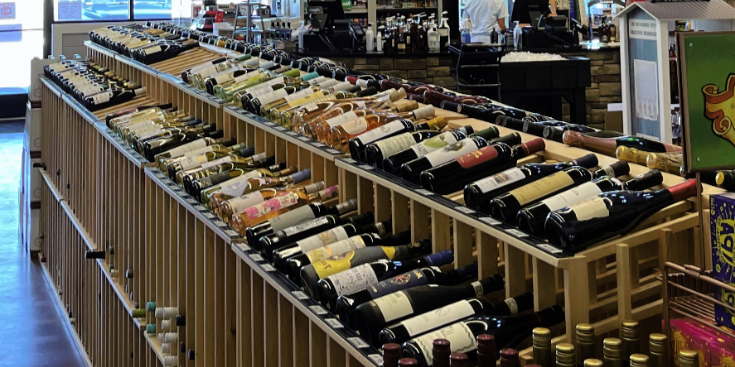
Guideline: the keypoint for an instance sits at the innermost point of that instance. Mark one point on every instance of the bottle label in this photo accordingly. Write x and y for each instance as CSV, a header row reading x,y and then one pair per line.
x,y
300,94
239,184
451,151
410,279
459,335
353,280
245,77
153,50
341,119
292,218
201,143
356,126
534,190
479,156
427,146
102,97
322,239
262,91
311,107
499,180
395,144
241,203
362,83
336,249
479,292
290,231
512,306
148,133
327,267
316,81
594,208
272,205
394,306
441,316
381,131
609,171
215,162
270,97
223,78
572,196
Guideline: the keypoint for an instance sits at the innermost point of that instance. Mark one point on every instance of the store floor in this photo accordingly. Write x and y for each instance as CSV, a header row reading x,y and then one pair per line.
x,y
32,333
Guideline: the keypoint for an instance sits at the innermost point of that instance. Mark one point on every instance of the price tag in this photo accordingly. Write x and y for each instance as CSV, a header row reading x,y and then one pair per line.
x,y
317,309
267,267
243,247
300,295
256,257
464,209
424,192
241,111
220,223
490,221
516,233
232,233
280,128
334,151
548,248
334,323
178,190
200,208
317,144
208,215
268,123
220,100
302,138
366,167
171,184
358,342
376,358
160,175
293,133
192,201
350,160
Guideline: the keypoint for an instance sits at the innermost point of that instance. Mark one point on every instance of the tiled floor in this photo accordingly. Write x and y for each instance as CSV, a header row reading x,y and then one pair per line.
x,y
32,333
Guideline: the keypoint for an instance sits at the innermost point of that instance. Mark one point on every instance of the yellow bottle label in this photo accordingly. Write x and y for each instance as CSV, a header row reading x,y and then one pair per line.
x,y
337,264
535,190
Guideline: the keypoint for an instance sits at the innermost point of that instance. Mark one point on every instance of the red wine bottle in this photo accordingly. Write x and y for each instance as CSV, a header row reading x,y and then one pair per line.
x,y
363,276
537,127
454,175
288,236
411,170
610,214
507,330
556,132
392,162
478,194
450,314
609,145
347,304
373,316
296,216
618,168
505,207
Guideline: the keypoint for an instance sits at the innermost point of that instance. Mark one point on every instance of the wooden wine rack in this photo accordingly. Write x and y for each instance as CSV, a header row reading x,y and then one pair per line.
x,y
240,312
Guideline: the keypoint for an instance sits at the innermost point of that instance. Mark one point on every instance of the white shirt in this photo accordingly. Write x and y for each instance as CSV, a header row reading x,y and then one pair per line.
x,y
484,15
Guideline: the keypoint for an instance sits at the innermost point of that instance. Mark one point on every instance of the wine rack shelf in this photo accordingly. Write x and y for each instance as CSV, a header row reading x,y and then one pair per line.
x,y
102,195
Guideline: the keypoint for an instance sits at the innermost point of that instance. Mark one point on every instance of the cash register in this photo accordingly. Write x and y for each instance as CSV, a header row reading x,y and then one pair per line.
x,y
544,30
329,29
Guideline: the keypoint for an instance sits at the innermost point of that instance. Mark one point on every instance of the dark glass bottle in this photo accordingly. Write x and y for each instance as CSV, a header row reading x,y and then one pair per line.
x,y
609,145
478,194
373,316
618,168
610,214
556,133
357,145
400,154
376,152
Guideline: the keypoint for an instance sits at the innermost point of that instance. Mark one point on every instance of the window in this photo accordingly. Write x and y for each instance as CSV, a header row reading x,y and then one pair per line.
x,y
111,10
152,9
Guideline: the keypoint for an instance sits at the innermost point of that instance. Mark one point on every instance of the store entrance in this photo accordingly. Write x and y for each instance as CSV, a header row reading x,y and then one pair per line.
x,y
21,39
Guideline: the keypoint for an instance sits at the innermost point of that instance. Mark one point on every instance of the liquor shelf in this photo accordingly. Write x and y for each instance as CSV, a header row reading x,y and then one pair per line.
x,y
163,246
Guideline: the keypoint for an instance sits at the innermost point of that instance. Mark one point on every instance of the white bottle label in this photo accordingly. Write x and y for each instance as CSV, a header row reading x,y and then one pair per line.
x,y
304,226
238,185
460,339
381,131
512,306
245,77
153,50
593,208
268,98
342,86
342,119
226,77
201,143
243,202
300,94
362,83
394,306
441,316
336,249
427,146
499,180
451,151
215,162
537,189
353,280
355,127
572,196
395,144
322,239
191,162
609,171
291,218
317,80
147,133
101,98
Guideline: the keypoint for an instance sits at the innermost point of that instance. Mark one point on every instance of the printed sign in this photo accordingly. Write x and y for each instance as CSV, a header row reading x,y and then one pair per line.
x,y
7,10
69,10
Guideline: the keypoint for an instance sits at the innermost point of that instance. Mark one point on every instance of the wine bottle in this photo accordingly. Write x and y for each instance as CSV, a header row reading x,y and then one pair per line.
x,y
248,183
667,162
189,177
363,276
358,145
373,316
340,135
505,207
509,358
565,355
411,171
240,204
621,167
347,304
391,355
289,236
297,216
592,362
610,214
182,149
585,342
290,259
629,335
450,314
457,360
376,152
478,194
638,360
608,146
208,154
456,174
688,358
612,352
507,331
392,162
442,352
486,351
658,348
542,347
215,183
556,133
536,128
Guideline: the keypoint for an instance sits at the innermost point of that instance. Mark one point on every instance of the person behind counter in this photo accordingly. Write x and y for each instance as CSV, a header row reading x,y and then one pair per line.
x,y
486,16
